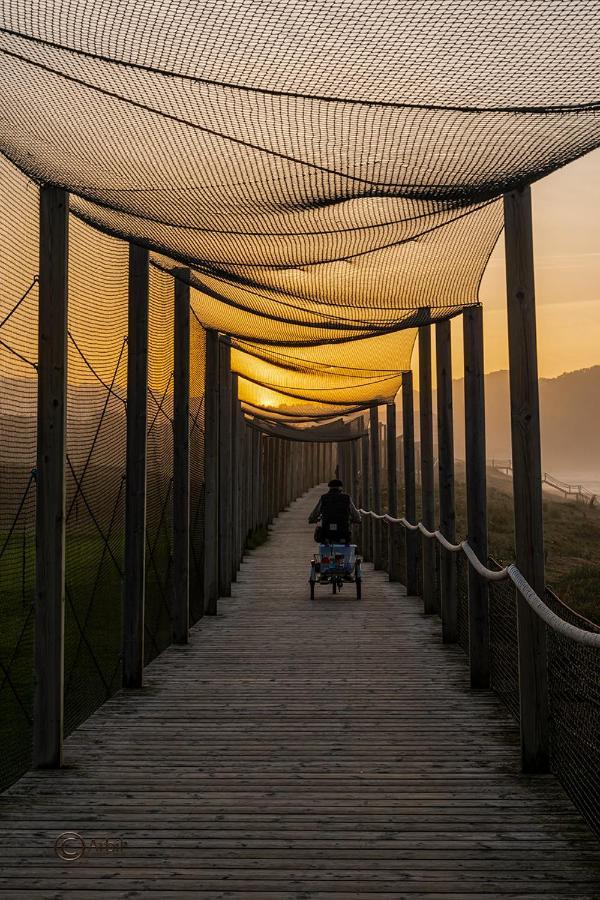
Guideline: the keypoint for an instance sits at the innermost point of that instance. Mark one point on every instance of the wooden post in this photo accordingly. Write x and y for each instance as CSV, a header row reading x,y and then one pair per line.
x,y
235,474
225,470
527,475
375,486
427,476
50,505
365,496
479,619
181,458
410,487
135,502
448,587
211,474
394,533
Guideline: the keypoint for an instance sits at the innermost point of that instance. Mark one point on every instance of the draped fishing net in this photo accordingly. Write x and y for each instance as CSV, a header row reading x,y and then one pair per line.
x,y
324,170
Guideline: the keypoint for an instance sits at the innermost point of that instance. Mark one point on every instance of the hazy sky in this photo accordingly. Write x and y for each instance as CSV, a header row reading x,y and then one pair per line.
x,y
566,226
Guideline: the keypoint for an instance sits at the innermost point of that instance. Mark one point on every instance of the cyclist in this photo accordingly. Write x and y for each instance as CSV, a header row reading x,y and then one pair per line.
x,y
337,513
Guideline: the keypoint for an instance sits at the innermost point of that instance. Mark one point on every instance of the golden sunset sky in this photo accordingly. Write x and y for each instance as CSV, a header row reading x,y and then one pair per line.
x,y
566,223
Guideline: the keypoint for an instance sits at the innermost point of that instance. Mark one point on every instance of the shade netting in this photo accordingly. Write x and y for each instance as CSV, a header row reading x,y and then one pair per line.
x,y
325,170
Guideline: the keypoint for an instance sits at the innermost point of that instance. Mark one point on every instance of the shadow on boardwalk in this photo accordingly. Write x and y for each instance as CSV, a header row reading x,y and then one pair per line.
x,y
298,750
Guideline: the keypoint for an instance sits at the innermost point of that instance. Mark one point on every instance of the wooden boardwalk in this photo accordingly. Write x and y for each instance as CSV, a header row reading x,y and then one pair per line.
x,y
298,750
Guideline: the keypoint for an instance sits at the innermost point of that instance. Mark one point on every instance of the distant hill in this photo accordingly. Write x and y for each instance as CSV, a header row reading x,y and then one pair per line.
x,y
570,421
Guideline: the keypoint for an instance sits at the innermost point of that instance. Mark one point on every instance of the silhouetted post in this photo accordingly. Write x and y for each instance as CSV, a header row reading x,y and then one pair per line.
x,y
375,485
181,457
448,587
479,619
211,474
50,475
394,535
430,604
255,478
527,475
410,487
135,498
225,460
235,476
365,497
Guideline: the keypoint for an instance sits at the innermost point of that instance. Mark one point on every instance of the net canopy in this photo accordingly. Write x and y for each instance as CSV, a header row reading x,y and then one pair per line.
x,y
328,173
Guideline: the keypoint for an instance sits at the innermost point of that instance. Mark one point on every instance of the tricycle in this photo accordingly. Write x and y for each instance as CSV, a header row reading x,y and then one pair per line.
x,y
336,564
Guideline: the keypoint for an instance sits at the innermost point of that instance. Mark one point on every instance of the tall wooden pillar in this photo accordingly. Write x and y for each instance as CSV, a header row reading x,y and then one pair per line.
x,y
181,458
365,497
430,604
225,470
211,474
135,502
445,421
235,477
479,619
527,475
375,485
410,487
394,531
50,472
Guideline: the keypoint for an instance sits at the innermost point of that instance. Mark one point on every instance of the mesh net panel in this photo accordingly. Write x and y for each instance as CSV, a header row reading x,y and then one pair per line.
x,y
462,600
197,381
95,471
504,651
574,689
18,397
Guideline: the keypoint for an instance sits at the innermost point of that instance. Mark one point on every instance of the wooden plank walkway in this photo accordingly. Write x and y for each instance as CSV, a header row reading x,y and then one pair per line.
x,y
298,750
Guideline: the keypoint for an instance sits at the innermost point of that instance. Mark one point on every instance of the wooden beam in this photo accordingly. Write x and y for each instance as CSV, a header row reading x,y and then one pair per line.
x,y
410,487
135,503
225,471
211,473
375,458
430,600
477,536
48,714
445,422
394,533
181,458
527,475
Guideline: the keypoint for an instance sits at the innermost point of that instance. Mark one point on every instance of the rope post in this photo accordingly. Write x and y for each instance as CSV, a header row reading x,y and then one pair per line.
x,y
255,478
375,485
235,477
479,616
394,536
430,604
181,457
445,421
211,474
365,497
135,502
225,470
48,711
527,476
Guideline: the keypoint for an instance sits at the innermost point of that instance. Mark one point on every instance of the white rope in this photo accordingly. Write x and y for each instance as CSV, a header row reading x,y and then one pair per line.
x,y
578,635
586,638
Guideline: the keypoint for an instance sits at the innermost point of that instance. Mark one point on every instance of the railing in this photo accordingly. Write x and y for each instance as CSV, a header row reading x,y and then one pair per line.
x,y
573,661
578,491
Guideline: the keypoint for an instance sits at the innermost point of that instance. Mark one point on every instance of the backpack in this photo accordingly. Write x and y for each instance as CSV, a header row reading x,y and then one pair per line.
x,y
335,510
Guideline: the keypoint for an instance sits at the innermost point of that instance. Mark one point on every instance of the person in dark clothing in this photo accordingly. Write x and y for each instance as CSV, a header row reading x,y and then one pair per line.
x,y
337,513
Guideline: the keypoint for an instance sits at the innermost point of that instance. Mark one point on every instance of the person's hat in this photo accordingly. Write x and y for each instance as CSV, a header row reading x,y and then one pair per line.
x,y
335,483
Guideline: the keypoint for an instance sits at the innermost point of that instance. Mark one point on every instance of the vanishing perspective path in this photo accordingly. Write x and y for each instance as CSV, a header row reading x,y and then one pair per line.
x,y
299,750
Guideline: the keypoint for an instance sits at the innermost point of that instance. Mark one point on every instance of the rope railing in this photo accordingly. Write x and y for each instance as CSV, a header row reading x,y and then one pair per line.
x,y
585,638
